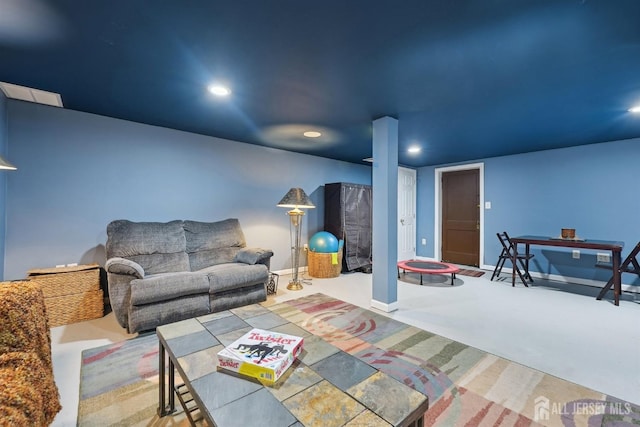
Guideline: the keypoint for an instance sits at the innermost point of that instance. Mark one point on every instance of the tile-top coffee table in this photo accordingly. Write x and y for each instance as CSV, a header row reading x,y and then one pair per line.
x,y
324,387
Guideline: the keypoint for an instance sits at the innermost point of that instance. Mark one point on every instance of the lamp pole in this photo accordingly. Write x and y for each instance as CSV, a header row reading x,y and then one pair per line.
x,y
296,222
296,198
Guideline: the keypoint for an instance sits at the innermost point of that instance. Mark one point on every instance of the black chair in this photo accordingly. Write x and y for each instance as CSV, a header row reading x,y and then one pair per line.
x,y
507,254
629,265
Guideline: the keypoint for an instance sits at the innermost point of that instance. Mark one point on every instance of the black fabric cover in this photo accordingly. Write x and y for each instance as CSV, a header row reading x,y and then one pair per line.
x,y
348,216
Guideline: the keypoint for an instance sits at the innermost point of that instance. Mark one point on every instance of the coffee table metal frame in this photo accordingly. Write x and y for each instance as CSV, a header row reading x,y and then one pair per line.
x,y
168,390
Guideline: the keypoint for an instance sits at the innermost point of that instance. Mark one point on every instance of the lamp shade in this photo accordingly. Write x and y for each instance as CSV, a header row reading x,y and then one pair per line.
x,y
6,165
296,198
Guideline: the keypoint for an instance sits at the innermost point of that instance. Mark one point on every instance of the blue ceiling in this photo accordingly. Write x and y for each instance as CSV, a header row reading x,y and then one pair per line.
x,y
466,79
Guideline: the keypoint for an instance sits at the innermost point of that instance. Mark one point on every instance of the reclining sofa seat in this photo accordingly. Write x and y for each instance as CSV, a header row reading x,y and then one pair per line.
x,y
160,273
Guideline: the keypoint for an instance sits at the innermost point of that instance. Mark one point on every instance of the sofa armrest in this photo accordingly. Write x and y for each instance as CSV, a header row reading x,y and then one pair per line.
x,y
254,256
125,266
120,273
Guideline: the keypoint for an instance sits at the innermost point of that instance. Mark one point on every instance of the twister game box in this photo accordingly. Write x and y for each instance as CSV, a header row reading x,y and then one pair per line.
x,y
261,354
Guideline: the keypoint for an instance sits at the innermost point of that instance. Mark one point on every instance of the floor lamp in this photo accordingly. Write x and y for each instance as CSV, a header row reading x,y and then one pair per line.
x,y
297,199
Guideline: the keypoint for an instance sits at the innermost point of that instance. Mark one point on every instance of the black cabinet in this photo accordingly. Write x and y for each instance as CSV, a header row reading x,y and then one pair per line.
x,y
347,215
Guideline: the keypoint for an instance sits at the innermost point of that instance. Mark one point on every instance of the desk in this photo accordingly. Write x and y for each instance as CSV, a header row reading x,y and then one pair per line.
x,y
605,245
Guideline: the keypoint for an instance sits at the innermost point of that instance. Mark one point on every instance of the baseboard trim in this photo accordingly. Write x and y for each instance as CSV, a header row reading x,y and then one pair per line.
x,y
383,306
505,270
553,277
567,279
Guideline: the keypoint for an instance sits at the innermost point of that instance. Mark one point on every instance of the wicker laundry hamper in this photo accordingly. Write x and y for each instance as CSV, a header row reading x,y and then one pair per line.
x,y
71,294
325,265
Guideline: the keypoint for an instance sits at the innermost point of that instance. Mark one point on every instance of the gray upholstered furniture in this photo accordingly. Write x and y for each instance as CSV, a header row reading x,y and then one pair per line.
x,y
160,273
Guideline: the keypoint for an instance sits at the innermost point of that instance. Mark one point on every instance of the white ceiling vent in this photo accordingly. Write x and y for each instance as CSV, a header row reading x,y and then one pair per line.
x,y
32,95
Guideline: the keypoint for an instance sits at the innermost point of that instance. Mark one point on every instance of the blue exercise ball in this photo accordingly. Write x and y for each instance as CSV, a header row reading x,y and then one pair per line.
x,y
324,242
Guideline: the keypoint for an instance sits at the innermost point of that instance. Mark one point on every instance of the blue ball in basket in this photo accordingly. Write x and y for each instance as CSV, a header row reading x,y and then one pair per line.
x,y
323,242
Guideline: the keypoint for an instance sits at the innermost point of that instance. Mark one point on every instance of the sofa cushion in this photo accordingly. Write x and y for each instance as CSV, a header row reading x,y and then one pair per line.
x,y
162,263
204,259
167,286
224,277
158,247
232,299
148,316
211,243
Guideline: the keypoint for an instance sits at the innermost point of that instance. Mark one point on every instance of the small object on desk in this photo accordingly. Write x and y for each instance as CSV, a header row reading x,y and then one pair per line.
x,y
568,233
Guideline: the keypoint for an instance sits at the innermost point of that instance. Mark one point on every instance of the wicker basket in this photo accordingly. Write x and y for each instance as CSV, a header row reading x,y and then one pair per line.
x,y
71,294
74,308
60,281
324,265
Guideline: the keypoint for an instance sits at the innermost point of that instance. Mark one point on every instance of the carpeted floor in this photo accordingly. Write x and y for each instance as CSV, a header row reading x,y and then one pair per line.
x,y
466,386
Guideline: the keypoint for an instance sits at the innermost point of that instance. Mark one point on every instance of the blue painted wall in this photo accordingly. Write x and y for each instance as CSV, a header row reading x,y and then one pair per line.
x,y
3,177
78,171
591,188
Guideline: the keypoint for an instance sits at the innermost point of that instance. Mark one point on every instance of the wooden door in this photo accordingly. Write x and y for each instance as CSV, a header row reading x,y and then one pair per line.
x,y
461,217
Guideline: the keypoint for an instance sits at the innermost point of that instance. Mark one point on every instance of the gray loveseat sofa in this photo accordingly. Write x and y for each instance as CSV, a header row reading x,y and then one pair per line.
x,y
160,273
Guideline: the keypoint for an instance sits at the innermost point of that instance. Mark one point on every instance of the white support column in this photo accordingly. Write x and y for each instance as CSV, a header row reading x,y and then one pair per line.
x,y
385,214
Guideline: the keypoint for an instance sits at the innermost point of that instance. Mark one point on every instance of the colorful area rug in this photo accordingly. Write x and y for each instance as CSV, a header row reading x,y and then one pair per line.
x,y
466,386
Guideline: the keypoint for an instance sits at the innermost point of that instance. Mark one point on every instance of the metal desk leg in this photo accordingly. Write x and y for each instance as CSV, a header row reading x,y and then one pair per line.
x,y
514,259
617,277
526,263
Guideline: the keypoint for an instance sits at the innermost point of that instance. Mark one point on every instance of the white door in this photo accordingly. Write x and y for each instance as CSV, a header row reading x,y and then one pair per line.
x,y
406,214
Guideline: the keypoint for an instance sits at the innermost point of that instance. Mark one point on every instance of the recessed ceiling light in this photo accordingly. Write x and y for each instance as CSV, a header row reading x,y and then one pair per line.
x,y
219,90
635,109
414,149
312,134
